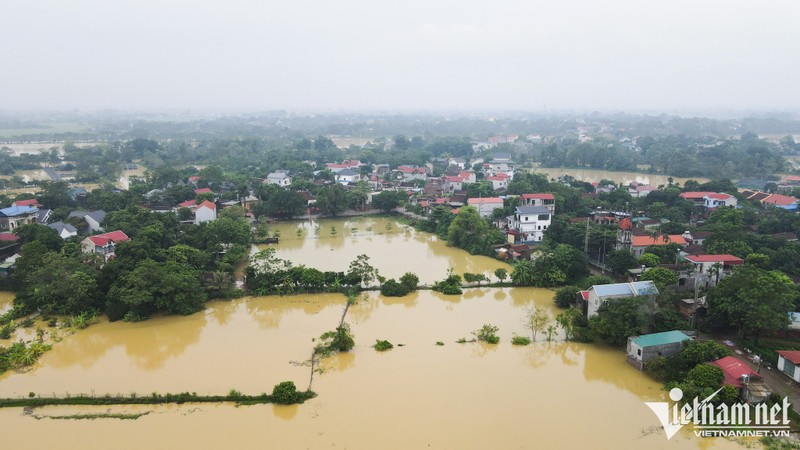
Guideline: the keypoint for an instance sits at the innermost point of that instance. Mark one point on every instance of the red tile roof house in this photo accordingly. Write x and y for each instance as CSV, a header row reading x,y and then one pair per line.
x,y
32,202
203,191
708,269
104,244
747,381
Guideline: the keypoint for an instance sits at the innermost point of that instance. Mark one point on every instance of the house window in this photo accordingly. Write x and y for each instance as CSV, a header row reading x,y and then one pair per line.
x,y
526,218
544,216
639,352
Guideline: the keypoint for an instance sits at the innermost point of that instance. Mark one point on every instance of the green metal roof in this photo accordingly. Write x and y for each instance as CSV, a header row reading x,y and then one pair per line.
x,y
667,337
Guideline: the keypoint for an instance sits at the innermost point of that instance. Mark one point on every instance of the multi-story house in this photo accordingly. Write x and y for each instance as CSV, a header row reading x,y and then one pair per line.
x,y
529,223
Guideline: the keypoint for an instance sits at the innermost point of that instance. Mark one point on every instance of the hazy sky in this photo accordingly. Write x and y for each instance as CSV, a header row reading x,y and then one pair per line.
x,y
409,54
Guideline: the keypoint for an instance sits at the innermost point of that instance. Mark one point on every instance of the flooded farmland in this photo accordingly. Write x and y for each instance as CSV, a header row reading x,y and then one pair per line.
x,y
594,176
418,395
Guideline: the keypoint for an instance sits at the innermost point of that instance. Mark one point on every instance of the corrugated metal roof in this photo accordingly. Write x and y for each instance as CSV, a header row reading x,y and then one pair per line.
x,y
667,337
532,210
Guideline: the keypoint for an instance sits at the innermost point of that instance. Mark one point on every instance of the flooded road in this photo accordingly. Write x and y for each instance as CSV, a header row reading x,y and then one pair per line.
x,y
394,248
594,176
418,395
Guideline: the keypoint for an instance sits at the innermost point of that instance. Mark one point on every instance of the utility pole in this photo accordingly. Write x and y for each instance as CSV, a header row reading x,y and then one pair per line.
x,y
586,239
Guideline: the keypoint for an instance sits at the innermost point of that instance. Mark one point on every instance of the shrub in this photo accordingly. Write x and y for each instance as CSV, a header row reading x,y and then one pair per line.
x,y
27,323
285,393
487,333
410,281
439,343
520,340
382,346
392,288
565,296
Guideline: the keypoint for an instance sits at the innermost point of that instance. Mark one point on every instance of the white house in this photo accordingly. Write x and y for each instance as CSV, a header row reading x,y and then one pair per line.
x,y
499,181
708,269
485,206
64,230
16,216
788,362
599,294
529,223
713,200
103,244
94,219
205,212
547,200
279,178
347,176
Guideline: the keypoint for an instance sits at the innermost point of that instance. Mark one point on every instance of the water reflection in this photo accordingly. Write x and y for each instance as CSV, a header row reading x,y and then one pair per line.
x,y
285,412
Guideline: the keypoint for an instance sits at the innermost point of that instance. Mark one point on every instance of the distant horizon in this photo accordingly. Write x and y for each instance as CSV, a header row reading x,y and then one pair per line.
x,y
688,113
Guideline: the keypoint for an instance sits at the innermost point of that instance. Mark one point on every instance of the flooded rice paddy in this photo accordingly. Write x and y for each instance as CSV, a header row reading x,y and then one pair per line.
x,y
419,395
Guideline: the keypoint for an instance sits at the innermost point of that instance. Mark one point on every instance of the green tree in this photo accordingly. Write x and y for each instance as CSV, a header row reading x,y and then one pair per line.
x,y
649,260
388,200
535,320
753,299
501,274
616,320
332,200
523,275
361,270
660,276
565,296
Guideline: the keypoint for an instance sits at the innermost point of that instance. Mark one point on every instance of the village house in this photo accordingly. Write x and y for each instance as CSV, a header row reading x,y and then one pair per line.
x,y
629,239
499,181
94,219
642,349
64,230
103,244
637,190
410,173
777,200
347,176
280,178
546,199
32,202
13,217
485,206
205,212
707,270
788,361
597,295
748,382
528,224
709,200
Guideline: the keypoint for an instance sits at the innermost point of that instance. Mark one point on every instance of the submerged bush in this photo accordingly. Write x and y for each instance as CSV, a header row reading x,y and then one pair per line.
x,y
520,340
487,333
392,288
285,393
382,346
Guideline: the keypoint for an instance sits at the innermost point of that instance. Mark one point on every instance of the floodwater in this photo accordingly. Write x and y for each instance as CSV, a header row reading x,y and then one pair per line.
x,y
6,301
124,180
452,396
418,395
593,176
393,248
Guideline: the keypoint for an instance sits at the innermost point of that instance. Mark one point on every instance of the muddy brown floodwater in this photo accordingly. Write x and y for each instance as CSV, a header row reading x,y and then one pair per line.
x,y
394,248
419,395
